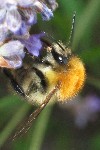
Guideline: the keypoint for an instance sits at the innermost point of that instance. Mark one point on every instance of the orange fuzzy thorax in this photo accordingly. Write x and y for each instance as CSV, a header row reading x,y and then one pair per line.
x,y
71,79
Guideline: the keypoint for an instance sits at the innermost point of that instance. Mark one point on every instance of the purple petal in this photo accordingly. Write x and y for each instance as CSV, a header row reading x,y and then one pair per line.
x,y
3,33
12,48
10,3
29,16
23,29
13,53
93,103
47,14
13,20
14,61
32,19
2,3
33,44
25,3
43,9
2,15
53,4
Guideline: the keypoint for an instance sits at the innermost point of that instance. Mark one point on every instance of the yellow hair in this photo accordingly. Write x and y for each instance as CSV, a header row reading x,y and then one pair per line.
x,y
71,79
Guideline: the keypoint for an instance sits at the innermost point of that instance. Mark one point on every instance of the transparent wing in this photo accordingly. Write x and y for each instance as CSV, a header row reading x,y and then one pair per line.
x,y
33,116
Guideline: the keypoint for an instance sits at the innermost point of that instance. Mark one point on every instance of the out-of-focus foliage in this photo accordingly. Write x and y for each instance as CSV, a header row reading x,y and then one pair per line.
x,y
59,131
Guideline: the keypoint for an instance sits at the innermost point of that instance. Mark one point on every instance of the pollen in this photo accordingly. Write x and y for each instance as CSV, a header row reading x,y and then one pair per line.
x,y
71,79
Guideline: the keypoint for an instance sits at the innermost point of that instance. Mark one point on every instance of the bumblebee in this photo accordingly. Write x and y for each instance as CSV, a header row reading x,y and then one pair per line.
x,y
55,73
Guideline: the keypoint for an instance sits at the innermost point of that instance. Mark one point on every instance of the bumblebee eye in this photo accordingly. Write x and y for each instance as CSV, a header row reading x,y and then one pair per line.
x,y
60,59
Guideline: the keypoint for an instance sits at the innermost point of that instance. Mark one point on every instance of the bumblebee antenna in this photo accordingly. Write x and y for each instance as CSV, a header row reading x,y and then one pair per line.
x,y
57,42
72,31
34,115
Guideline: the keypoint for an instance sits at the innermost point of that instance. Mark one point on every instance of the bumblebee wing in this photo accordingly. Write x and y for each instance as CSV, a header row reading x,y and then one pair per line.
x,y
33,116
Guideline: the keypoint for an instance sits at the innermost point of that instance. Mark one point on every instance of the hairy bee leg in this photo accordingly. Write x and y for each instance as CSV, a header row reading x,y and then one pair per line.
x,y
14,83
35,114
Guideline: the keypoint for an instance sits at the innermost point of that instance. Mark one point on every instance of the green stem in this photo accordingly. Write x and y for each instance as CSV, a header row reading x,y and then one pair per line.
x,y
93,81
86,20
13,123
40,128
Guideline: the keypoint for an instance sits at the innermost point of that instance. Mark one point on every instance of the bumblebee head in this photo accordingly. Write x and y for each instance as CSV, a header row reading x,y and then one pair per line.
x,y
60,53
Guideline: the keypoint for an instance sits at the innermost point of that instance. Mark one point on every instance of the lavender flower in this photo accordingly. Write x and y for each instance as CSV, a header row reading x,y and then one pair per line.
x,y
33,44
24,30
25,4
14,12
4,33
9,16
16,19
43,9
13,53
29,16
85,111
53,4
46,13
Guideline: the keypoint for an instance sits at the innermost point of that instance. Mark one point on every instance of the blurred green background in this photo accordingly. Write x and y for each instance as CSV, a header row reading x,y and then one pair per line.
x,y
70,126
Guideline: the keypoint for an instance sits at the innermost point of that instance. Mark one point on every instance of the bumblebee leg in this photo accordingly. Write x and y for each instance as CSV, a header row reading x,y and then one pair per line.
x,y
14,83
